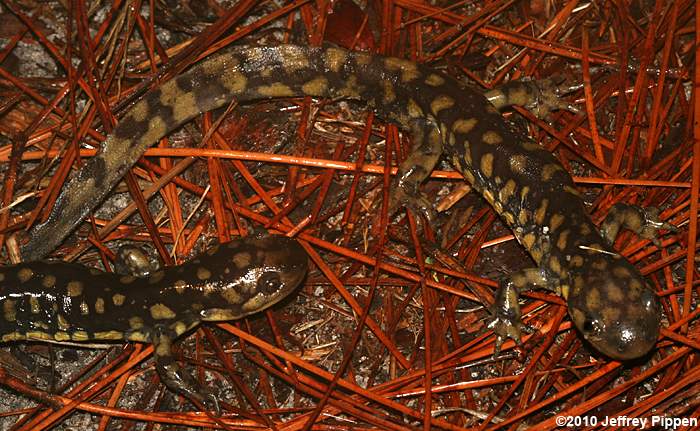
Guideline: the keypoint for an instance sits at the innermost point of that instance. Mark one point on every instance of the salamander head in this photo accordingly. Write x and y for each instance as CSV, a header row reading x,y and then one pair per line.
x,y
614,308
260,271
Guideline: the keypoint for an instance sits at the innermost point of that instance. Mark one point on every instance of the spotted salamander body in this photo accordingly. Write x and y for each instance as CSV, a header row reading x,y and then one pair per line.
x,y
58,301
608,300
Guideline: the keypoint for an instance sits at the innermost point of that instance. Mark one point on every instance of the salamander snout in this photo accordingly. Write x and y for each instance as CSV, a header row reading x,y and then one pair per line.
x,y
614,309
289,261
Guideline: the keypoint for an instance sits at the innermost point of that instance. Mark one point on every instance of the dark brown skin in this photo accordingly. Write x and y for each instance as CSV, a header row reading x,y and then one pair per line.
x,y
524,183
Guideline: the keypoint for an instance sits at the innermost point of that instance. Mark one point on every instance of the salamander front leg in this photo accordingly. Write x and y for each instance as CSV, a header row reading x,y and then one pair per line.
x,y
642,221
540,96
507,322
177,379
405,190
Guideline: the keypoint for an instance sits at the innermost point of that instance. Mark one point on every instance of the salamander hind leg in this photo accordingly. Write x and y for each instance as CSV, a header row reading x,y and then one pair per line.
x,y
644,222
507,322
177,379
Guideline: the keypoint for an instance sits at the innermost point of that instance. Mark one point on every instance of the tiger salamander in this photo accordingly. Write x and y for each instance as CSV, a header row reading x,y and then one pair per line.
x,y
608,300
59,301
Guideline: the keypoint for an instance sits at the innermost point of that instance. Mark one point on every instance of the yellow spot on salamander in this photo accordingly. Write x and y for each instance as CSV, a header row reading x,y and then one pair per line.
x,y
13,336
464,126
84,308
139,337
80,336
541,211
38,335
549,170
492,138
231,296
362,58
434,80
295,59
536,254
138,112
163,348
9,310
34,304
161,311
48,281
234,82
99,306
506,191
565,290
614,293
523,217
523,193
487,164
179,327
242,260
118,299
74,288
556,221
109,335
561,241
276,89
414,111
316,87
135,322
24,275
335,59
2,276
529,240
509,217
409,70
441,103
203,273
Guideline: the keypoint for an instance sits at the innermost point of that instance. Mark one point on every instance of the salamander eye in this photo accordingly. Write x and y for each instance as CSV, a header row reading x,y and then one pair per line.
x,y
269,283
588,325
